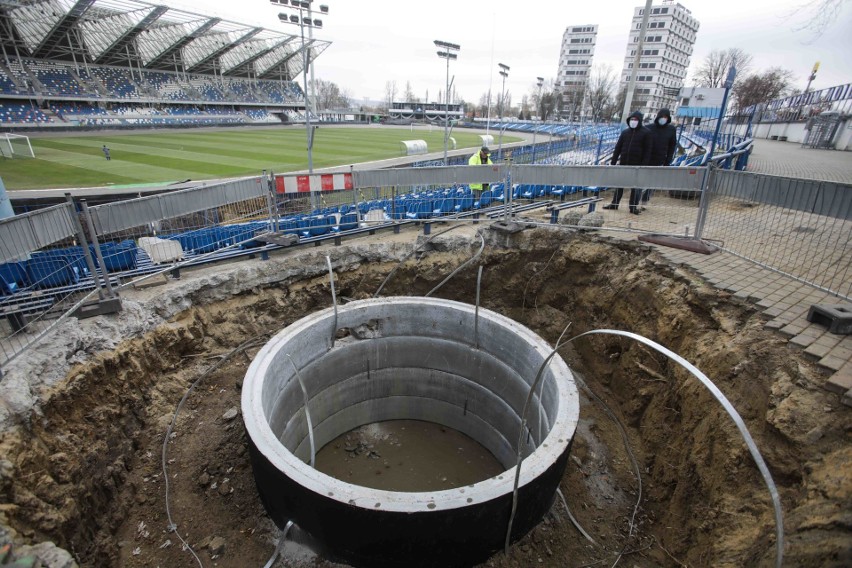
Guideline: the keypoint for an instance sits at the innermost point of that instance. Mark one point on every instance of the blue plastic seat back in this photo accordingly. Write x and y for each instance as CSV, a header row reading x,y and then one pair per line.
x,y
15,273
348,221
51,272
319,225
119,256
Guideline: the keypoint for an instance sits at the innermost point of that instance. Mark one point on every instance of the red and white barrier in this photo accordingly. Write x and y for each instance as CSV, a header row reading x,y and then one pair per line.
x,y
316,182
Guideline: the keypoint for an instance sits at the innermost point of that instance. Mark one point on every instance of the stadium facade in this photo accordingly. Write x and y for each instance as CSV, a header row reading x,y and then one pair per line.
x,y
575,61
125,63
666,52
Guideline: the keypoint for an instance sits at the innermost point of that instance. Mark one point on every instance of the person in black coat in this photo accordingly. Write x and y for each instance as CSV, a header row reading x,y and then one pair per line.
x,y
664,137
632,149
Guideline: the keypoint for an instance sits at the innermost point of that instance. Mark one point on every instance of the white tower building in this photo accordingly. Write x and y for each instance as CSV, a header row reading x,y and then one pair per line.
x,y
665,55
575,60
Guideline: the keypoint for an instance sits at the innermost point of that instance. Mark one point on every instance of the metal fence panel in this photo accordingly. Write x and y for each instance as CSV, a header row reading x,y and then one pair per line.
x,y
23,234
686,178
114,217
430,176
819,197
802,228
44,274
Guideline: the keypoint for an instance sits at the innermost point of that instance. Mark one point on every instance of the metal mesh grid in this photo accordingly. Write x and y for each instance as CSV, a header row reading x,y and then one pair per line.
x,y
802,228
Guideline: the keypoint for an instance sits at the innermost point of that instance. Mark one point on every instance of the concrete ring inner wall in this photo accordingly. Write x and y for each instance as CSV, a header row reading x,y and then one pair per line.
x,y
407,358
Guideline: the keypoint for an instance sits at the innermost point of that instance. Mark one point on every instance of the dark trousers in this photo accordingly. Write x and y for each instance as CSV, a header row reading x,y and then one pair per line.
x,y
635,196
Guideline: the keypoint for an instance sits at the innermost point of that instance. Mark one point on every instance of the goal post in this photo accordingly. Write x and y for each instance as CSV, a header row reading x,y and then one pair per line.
x,y
16,146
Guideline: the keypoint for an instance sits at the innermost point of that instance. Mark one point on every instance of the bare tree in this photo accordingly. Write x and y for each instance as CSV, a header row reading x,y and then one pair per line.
x,y
329,95
390,93
816,16
714,69
572,98
763,87
525,108
601,88
618,106
484,101
409,95
550,105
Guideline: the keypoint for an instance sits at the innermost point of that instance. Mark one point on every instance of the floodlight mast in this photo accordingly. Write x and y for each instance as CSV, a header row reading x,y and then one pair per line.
x,y
303,21
504,72
539,83
446,52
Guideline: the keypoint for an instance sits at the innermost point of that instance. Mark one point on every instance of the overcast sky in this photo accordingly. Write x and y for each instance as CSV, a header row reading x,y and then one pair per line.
x,y
392,40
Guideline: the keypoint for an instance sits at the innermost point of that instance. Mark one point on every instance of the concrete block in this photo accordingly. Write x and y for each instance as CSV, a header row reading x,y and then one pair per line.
x,y
836,317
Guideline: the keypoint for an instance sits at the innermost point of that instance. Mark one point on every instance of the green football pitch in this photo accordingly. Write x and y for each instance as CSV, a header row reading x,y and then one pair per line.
x,y
168,156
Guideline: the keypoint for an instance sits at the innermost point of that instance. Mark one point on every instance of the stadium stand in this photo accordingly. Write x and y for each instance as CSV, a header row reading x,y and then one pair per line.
x,y
138,64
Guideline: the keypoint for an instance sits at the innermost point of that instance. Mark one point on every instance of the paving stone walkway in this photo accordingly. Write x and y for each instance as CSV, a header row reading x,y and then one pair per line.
x,y
784,301
791,160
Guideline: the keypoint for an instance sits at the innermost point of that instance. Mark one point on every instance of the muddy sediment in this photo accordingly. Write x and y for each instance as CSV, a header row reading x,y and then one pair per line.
x,y
85,469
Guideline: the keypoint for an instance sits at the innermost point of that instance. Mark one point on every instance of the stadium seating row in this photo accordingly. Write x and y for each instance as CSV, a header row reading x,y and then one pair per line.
x,y
50,78
88,114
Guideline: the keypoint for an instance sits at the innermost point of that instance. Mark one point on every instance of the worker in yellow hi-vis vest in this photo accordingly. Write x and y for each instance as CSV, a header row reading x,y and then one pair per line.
x,y
481,158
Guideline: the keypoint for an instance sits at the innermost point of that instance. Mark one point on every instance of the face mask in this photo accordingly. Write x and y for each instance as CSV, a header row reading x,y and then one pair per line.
x,y
663,121
633,123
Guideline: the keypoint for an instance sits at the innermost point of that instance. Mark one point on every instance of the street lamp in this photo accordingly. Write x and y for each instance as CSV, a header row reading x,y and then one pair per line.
x,y
539,83
504,72
447,52
303,20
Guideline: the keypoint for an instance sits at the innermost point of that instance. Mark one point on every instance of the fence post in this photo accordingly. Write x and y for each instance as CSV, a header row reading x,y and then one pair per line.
x,y
707,185
270,203
84,244
507,193
110,292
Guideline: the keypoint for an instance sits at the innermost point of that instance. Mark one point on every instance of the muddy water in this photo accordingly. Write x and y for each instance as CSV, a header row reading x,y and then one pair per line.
x,y
407,455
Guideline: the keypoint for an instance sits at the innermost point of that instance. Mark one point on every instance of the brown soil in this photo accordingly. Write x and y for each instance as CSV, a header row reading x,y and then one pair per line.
x,y
87,473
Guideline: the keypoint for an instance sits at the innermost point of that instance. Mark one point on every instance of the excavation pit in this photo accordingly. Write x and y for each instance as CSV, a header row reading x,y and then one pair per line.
x,y
85,470
405,358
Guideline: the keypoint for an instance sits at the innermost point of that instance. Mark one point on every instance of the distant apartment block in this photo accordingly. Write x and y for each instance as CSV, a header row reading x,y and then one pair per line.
x,y
575,61
668,45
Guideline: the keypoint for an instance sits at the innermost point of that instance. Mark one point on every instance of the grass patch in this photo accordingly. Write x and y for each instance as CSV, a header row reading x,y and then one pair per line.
x,y
165,156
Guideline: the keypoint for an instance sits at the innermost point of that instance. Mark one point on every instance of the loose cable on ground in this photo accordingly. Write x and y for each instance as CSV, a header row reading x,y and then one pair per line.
x,y
476,312
334,300
524,296
307,411
416,249
460,267
633,461
280,547
573,520
738,421
523,428
726,404
172,527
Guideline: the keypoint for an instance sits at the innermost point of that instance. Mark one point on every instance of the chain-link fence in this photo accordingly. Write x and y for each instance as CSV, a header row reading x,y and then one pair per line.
x,y
164,232
802,228
47,270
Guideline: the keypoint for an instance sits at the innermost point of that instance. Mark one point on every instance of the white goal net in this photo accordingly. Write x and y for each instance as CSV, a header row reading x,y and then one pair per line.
x,y
16,146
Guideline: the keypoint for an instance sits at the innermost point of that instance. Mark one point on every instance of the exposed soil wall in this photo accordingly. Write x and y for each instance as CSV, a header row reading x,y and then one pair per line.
x,y
85,470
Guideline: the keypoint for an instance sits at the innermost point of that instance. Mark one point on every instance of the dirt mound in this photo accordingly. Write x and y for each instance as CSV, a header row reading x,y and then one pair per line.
x,y
88,473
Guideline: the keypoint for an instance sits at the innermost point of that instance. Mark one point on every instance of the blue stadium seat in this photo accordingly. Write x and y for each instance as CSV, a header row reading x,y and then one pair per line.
x,y
51,272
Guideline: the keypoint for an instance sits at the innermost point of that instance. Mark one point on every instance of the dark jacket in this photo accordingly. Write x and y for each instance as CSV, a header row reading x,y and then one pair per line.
x,y
634,145
664,140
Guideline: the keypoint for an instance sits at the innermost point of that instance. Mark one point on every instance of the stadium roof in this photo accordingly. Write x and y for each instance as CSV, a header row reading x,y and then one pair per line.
x,y
129,33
